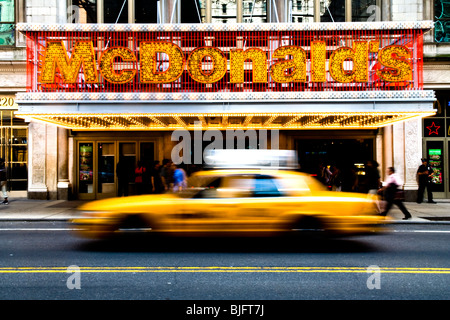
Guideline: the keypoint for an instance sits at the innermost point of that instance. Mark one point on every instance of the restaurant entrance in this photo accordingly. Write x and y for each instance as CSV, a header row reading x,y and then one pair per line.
x,y
348,155
97,163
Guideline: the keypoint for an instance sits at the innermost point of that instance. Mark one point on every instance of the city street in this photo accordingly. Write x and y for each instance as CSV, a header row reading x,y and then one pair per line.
x,y
44,260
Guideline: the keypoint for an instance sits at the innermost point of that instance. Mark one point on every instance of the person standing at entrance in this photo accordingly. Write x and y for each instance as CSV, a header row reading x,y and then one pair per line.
x,y
3,181
424,176
139,180
391,189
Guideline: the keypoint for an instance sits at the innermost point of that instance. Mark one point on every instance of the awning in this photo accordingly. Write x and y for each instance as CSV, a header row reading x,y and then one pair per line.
x,y
322,110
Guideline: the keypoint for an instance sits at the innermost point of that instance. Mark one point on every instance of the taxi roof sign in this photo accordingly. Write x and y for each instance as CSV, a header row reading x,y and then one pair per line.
x,y
251,159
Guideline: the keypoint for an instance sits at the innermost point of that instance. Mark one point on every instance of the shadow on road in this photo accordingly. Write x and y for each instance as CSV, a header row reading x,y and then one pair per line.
x,y
158,243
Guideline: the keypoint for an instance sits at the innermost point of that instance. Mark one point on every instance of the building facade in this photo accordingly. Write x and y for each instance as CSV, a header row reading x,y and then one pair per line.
x,y
70,135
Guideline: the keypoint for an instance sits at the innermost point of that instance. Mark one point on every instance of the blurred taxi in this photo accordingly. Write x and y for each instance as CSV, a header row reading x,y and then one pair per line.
x,y
236,202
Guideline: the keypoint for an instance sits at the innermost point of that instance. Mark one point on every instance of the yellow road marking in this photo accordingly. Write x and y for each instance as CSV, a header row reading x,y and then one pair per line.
x,y
212,269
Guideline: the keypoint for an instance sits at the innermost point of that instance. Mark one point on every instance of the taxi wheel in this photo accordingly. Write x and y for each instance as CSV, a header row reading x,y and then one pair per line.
x,y
132,222
309,224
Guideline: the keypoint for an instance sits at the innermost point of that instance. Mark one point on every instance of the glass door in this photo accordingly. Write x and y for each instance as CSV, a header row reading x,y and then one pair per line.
x,y
86,170
128,156
106,182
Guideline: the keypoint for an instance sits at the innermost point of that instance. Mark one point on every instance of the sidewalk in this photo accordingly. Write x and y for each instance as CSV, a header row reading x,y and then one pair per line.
x,y
54,210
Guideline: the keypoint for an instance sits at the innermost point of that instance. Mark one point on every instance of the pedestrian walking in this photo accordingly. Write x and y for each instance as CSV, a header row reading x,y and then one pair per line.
x,y
3,181
179,179
424,177
391,192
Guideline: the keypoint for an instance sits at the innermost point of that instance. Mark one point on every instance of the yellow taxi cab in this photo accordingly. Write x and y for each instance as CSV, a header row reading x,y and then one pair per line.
x,y
236,202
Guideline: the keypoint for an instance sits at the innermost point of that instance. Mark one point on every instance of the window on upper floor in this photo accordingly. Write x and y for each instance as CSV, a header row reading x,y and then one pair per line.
x,y
145,11
302,11
7,23
442,20
361,11
225,11
255,11
365,10
82,11
332,11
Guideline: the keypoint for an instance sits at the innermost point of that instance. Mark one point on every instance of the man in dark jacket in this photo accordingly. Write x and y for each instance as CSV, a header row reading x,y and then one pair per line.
x,y
424,175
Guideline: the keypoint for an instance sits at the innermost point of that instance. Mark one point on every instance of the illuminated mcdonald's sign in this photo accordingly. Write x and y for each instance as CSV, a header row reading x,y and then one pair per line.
x,y
208,58
290,63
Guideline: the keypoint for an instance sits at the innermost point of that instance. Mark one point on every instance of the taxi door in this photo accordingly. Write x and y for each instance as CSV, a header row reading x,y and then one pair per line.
x,y
260,211
211,210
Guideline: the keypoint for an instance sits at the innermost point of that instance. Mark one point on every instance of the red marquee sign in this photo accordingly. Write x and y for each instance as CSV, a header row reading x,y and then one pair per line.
x,y
224,61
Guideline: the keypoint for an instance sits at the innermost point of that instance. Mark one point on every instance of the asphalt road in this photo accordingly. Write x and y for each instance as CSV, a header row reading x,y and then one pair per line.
x,y
45,261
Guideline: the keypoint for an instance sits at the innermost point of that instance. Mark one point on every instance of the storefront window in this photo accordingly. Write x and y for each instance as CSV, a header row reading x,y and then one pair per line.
x,y
436,135
442,20
13,148
435,156
7,25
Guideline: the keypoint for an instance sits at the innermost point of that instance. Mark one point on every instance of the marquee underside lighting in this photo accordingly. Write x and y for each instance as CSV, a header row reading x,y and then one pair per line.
x,y
224,121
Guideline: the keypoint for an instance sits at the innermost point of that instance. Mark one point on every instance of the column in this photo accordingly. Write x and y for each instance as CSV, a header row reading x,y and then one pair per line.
x,y
413,154
131,12
208,11
63,167
51,160
348,10
407,151
388,155
316,10
100,9
239,11
37,188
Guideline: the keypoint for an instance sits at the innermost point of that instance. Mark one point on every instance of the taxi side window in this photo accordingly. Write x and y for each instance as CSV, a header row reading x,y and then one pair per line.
x,y
236,187
266,186
210,189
